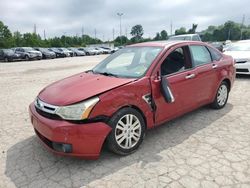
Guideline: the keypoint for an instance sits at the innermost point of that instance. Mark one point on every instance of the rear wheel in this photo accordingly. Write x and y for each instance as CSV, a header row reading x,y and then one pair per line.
x,y
26,57
221,96
6,59
128,129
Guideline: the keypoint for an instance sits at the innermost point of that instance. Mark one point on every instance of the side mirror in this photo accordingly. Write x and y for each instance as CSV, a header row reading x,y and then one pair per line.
x,y
166,91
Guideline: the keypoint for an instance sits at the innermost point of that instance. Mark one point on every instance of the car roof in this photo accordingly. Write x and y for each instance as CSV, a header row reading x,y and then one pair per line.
x,y
184,35
166,43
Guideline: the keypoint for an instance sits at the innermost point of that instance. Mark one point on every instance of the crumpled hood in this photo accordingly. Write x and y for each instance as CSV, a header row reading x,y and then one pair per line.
x,y
79,87
238,55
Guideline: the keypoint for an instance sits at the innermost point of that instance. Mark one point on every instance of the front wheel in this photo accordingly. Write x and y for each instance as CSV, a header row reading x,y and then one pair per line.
x,y
128,129
221,96
6,59
26,57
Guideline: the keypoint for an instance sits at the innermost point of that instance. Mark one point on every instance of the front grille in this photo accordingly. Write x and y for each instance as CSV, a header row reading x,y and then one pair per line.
x,y
48,115
241,62
242,70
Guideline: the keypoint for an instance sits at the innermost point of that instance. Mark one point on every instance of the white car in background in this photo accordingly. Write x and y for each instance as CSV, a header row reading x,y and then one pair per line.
x,y
240,51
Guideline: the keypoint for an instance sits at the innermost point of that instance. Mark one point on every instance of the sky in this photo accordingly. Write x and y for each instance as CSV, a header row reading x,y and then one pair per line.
x,y
72,17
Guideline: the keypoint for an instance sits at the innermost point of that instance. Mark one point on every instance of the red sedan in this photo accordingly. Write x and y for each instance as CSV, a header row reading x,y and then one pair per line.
x,y
137,88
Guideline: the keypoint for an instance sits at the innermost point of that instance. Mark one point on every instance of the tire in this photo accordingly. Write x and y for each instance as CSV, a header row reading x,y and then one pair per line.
x,y
221,96
123,139
26,57
6,59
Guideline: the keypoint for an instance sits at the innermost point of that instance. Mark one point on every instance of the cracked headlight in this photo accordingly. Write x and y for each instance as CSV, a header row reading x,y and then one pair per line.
x,y
77,111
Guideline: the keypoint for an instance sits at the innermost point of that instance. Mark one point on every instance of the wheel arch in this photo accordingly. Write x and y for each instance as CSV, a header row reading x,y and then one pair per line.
x,y
227,80
137,109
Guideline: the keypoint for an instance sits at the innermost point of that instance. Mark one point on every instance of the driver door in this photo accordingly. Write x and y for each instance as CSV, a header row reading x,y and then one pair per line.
x,y
176,69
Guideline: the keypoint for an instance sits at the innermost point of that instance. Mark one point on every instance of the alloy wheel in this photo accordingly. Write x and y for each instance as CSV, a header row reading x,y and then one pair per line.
x,y
222,95
128,131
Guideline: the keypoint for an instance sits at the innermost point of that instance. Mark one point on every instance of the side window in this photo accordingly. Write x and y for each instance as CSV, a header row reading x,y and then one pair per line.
x,y
196,38
200,55
175,62
216,56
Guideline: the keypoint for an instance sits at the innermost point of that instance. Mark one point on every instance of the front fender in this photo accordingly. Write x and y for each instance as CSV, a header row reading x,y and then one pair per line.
x,y
130,94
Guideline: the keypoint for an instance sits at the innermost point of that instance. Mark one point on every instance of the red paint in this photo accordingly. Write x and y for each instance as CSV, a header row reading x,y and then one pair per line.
x,y
79,87
116,93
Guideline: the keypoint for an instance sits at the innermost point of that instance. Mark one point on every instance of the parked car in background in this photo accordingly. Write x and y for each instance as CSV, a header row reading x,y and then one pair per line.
x,y
95,51
87,51
139,87
28,53
110,50
226,44
240,51
67,52
190,37
58,52
77,52
99,50
47,54
9,55
104,50
217,45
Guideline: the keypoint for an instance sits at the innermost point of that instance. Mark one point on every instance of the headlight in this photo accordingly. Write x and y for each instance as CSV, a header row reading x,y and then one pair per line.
x,y
78,111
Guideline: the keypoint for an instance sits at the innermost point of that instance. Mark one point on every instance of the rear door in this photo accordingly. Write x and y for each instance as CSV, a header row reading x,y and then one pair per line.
x,y
176,69
206,78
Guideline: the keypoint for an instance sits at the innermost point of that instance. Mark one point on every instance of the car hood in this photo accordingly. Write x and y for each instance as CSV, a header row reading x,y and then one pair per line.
x,y
238,54
79,87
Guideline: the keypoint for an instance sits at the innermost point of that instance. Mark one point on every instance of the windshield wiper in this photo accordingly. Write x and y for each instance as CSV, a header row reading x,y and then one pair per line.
x,y
106,74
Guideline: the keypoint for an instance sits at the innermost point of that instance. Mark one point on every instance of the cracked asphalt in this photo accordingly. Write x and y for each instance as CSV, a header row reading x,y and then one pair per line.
x,y
205,148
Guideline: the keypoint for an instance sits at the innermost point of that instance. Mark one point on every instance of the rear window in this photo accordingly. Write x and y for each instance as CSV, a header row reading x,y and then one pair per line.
x,y
216,56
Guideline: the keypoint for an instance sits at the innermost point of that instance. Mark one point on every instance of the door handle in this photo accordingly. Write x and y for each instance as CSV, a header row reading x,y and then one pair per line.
x,y
189,76
214,66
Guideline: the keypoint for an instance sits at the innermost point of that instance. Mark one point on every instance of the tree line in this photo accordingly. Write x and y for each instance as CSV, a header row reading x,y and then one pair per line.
x,y
228,31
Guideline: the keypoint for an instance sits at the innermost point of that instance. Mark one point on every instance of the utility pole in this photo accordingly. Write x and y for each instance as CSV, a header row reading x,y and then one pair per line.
x,y
44,34
229,34
171,28
82,31
126,33
34,28
64,33
95,33
113,34
120,16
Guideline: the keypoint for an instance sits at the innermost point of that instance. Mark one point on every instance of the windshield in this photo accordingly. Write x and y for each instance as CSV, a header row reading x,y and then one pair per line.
x,y
180,38
28,49
43,50
130,62
8,51
239,47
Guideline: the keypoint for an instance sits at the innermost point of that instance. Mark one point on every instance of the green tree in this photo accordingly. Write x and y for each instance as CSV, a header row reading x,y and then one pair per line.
x,y
164,35
6,40
121,40
18,39
193,29
180,31
137,32
157,36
